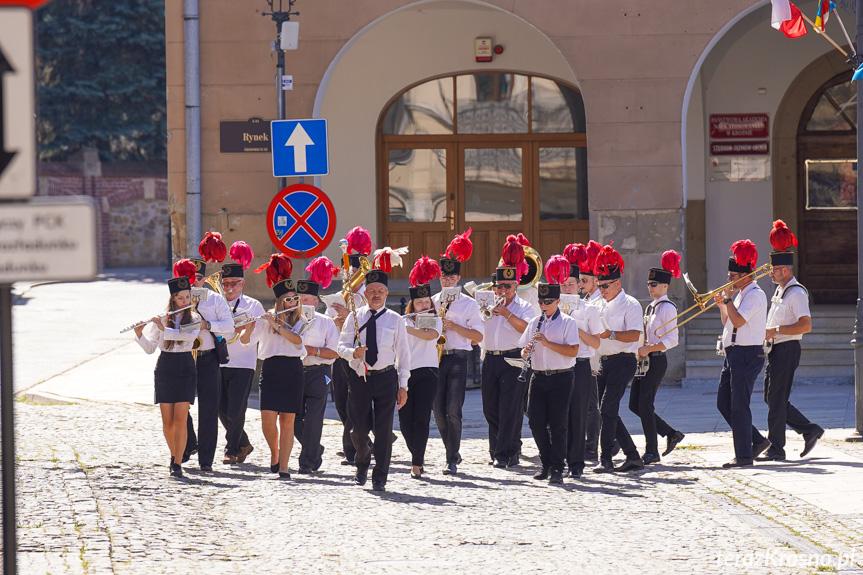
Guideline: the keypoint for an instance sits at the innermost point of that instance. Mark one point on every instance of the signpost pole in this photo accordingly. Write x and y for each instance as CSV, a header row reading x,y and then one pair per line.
x,y
858,328
280,95
7,449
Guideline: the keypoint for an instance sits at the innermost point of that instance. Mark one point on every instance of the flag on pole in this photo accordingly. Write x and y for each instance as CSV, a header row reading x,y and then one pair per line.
x,y
858,73
781,12
825,7
793,25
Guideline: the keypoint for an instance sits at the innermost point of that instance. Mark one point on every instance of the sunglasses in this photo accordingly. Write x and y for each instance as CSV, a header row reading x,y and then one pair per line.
x,y
605,286
292,298
547,301
504,286
652,284
582,280
232,283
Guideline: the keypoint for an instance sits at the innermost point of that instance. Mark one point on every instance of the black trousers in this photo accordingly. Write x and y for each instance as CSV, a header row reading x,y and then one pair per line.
x,y
502,405
743,363
415,415
641,399
782,362
583,381
377,394
341,370
449,401
548,416
233,401
209,388
615,372
309,422
594,421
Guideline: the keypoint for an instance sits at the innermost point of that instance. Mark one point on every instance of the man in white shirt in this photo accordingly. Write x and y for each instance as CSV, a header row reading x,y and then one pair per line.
x,y
216,321
462,325
551,347
621,313
237,374
502,393
589,324
788,319
590,293
661,312
379,349
743,308
321,341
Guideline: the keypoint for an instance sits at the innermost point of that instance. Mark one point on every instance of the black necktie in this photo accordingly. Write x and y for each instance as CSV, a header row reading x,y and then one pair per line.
x,y
372,339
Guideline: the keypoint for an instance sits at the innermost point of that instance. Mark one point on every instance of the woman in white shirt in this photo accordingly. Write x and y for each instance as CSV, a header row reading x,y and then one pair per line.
x,y
415,415
175,374
281,383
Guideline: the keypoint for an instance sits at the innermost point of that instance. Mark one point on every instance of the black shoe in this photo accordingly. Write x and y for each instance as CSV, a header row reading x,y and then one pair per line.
x,y
500,464
304,470
591,456
574,473
556,477
541,474
362,475
176,470
274,468
514,461
188,454
284,474
771,456
631,465
605,466
378,486
419,475
206,468
738,462
450,469
759,448
672,441
650,458
347,461
810,441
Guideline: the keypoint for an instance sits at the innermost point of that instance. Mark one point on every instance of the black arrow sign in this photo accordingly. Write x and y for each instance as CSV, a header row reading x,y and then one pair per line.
x,y
5,157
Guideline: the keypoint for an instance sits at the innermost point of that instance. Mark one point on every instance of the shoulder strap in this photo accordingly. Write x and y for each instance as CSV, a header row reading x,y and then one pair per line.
x,y
801,286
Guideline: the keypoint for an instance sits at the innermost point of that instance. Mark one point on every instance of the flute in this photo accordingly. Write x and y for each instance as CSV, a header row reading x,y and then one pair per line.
x,y
260,317
523,375
146,321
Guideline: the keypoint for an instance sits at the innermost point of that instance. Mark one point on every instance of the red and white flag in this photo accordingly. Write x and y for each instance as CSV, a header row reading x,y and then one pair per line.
x,y
788,19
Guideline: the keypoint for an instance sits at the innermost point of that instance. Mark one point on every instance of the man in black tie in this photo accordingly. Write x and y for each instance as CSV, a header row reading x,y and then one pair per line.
x,y
374,342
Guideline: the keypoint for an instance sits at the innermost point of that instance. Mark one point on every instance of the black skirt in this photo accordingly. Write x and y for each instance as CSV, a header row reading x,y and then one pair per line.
x,y
176,377
282,384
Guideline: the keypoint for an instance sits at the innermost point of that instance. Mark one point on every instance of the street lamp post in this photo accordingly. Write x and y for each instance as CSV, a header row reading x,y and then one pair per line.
x,y
858,328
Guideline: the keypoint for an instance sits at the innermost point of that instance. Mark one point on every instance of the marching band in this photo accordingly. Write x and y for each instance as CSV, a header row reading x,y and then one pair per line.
x,y
562,352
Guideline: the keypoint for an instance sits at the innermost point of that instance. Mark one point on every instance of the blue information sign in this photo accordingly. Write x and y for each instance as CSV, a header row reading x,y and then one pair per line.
x,y
299,147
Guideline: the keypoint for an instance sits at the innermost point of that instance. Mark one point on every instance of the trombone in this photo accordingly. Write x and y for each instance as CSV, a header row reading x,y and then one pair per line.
x,y
705,301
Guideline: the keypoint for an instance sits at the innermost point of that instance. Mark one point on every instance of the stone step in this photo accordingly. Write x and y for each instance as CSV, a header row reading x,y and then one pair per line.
x,y
810,341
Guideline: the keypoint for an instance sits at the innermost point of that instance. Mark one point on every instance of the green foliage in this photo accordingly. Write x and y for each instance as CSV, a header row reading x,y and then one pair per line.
x,y
101,79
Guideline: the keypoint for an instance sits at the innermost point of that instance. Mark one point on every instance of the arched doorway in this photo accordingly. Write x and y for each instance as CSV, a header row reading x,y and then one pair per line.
x,y
498,152
827,192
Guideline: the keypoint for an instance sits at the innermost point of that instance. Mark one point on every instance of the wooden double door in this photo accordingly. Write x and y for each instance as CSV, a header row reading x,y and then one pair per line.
x,y
495,185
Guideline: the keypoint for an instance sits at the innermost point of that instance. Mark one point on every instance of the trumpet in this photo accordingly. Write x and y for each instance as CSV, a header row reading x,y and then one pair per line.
x,y
705,301
486,312
162,315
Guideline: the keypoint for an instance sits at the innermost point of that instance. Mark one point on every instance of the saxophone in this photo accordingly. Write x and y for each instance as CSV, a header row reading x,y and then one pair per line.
x,y
444,306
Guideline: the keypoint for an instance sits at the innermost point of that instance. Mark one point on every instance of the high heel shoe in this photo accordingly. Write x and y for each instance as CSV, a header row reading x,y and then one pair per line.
x,y
284,474
274,468
176,470
417,475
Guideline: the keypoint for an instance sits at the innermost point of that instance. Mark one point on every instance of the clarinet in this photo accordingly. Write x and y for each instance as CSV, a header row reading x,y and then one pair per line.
x,y
523,375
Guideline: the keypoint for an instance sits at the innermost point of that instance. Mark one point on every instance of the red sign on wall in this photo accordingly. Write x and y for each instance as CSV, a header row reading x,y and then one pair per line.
x,y
724,126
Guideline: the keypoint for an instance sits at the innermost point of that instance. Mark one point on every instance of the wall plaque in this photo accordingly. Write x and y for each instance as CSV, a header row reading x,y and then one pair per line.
x,y
724,126
244,136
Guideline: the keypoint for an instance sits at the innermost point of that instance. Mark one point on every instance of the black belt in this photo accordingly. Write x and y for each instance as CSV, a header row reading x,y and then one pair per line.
x,y
384,370
582,360
551,371
621,354
501,352
311,367
456,351
202,352
656,353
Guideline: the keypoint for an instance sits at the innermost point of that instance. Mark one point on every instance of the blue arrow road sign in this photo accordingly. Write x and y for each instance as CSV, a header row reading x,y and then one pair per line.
x,y
299,148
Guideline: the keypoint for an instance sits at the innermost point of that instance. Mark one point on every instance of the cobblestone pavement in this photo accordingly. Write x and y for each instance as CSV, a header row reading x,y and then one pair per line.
x,y
94,496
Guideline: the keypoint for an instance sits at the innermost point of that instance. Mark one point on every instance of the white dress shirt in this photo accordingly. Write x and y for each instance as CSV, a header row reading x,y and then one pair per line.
x,y
751,303
595,298
587,318
271,344
424,351
787,307
465,312
359,301
656,314
323,333
244,357
154,338
562,329
393,348
215,310
623,313
498,332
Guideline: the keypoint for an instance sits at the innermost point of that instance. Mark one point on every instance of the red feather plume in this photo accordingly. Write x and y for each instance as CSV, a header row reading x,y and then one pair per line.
x,y
593,249
460,246
212,248
185,267
671,263
383,262
280,267
513,254
781,238
322,270
607,260
425,269
242,253
557,269
359,241
575,254
745,253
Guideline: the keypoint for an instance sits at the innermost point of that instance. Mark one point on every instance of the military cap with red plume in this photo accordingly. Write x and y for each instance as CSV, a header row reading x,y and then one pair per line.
x,y
322,271
575,254
459,250
557,269
670,268
184,276
212,248
609,264
241,253
745,257
587,266
359,241
513,254
280,267
782,240
425,269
